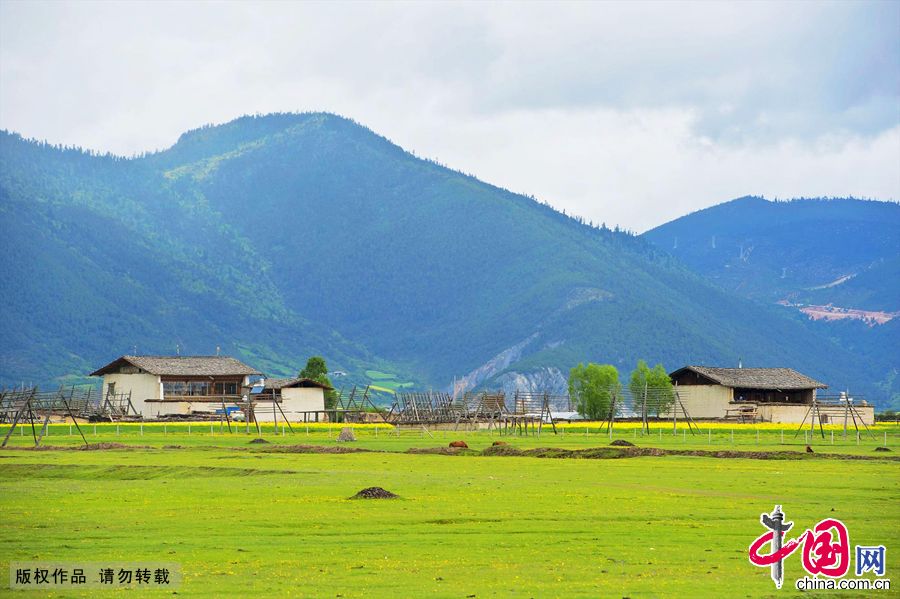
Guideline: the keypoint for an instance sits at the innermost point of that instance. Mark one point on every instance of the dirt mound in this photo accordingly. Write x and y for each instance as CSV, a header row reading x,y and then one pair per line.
x,y
88,447
316,449
622,443
375,493
96,446
346,435
459,444
436,450
882,449
259,441
503,450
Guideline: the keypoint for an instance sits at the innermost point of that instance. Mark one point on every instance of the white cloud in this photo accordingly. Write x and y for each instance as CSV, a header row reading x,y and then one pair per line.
x,y
625,113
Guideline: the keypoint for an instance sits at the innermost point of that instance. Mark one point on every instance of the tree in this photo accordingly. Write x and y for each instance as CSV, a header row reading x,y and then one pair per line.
x,y
316,370
592,387
656,383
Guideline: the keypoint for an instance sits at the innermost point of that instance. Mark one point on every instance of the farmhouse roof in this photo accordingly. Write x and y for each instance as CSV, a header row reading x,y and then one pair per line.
x,y
276,384
755,378
181,366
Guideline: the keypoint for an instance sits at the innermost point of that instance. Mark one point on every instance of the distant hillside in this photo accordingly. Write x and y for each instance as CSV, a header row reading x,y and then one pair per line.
x,y
283,235
840,251
834,261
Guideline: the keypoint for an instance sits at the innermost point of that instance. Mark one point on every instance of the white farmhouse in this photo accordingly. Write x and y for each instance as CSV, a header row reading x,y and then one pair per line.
x,y
162,385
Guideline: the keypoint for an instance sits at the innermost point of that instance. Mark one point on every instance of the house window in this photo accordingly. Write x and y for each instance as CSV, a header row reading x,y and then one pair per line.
x,y
174,388
200,388
225,388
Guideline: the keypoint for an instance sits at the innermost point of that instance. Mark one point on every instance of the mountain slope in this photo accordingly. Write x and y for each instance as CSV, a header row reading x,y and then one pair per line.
x,y
796,250
833,262
100,257
320,230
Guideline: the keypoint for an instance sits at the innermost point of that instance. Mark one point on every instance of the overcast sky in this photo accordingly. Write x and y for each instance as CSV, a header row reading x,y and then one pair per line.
x,y
623,113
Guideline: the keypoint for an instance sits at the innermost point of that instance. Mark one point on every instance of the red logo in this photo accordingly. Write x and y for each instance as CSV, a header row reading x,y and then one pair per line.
x,y
826,547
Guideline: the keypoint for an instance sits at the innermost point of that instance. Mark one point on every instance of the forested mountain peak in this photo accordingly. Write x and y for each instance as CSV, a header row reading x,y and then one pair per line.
x,y
214,140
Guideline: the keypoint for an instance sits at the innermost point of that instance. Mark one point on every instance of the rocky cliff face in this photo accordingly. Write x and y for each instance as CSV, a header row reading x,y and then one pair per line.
x,y
545,380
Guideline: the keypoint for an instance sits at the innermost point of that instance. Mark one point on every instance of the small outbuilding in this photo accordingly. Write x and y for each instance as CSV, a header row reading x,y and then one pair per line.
x,y
301,400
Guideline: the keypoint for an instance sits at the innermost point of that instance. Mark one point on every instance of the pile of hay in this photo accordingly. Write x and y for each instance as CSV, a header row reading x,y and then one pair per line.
x,y
346,434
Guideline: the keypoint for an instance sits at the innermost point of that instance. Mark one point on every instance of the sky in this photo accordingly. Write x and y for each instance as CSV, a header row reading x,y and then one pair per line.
x,y
630,114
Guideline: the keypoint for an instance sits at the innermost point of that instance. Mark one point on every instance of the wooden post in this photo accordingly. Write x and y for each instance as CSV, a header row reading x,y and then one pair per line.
x,y
674,414
44,428
846,412
15,422
290,428
69,410
225,410
645,424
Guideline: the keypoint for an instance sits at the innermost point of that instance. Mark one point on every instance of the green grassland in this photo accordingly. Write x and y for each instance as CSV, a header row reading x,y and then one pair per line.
x,y
246,519
386,382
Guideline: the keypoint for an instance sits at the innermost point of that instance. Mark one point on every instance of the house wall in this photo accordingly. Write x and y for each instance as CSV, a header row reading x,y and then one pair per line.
x,y
294,400
142,386
794,414
704,401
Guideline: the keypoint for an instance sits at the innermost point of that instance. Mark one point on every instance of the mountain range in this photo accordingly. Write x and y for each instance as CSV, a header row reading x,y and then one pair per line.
x,y
272,238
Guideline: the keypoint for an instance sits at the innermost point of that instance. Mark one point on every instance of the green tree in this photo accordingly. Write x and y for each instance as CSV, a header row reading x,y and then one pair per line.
x,y
660,392
317,370
592,388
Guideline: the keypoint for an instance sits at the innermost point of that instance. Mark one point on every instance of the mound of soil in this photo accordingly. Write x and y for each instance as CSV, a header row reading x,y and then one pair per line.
x,y
259,441
882,449
316,449
503,450
435,450
622,443
346,434
100,446
375,493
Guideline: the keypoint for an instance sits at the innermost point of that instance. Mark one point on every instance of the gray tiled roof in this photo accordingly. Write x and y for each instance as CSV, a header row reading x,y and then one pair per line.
x,y
756,378
182,365
294,382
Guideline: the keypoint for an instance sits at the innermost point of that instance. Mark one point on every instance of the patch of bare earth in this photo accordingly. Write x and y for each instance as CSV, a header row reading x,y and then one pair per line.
x,y
316,449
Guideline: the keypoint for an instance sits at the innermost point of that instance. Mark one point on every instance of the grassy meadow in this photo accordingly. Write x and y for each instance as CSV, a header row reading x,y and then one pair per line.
x,y
246,519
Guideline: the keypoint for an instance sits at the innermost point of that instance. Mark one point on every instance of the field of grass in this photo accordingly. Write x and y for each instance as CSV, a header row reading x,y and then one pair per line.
x,y
242,519
386,382
711,436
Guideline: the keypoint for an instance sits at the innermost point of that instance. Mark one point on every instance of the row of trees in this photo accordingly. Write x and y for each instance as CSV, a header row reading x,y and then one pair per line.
x,y
594,387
